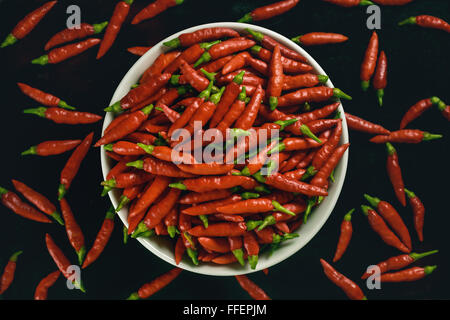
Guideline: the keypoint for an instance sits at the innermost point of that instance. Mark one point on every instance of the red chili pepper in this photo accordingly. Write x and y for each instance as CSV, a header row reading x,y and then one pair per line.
x,y
345,236
351,3
324,153
205,184
269,11
399,262
154,286
68,51
210,207
303,80
141,137
253,206
179,250
234,112
59,115
319,38
8,273
74,233
139,51
369,63
125,148
359,124
118,17
237,62
379,226
42,97
27,24
195,197
315,94
72,166
41,202
248,117
380,77
171,221
159,167
220,245
102,238
45,284
418,212
128,179
348,286
159,210
411,274
406,136
154,9
197,81
206,34
281,182
225,48
289,65
253,290
417,109
61,261
321,177
395,173
224,229
217,65
252,248
13,202
227,258
80,31
161,62
388,212
190,55
276,78
50,148
427,21
294,160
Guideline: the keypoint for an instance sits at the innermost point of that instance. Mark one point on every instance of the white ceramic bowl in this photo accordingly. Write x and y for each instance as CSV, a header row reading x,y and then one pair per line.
x,y
163,248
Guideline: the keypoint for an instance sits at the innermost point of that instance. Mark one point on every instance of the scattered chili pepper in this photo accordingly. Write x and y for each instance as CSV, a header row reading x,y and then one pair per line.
x,y
418,212
72,166
50,148
59,115
315,94
78,32
43,286
395,173
406,136
225,48
42,97
380,77
345,236
155,8
63,53
202,35
427,21
348,286
27,24
399,262
370,60
359,124
417,109
253,290
74,233
379,226
9,271
319,38
139,51
154,286
269,11
411,274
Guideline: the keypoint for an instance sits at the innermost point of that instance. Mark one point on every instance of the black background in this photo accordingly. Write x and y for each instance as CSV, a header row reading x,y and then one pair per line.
x,y
418,67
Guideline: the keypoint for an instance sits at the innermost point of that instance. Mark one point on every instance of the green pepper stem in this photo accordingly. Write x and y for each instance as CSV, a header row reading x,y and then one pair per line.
x,y
15,255
249,195
285,123
37,111
193,255
373,201
253,261
243,94
278,207
174,43
273,103
147,147
239,78
116,108
55,215
307,132
215,98
390,149
81,253
322,79
139,164
380,95
106,190
416,256
134,296
108,147
365,3
410,20
239,254
365,85
365,209
338,93
268,221
429,269
174,79
99,27
64,105
297,39
178,185
10,40
252,224
262,189
31,150
246,18
205,57
123,201
204,219
140,229
146,110
348,215
42,60
172,230
211,76
207,92
429,136
125,234
410,194
256,49
257,35
277,149
61,191
310,172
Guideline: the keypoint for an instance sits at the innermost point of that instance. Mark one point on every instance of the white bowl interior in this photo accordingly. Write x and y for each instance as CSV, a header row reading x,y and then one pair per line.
x,y
163,247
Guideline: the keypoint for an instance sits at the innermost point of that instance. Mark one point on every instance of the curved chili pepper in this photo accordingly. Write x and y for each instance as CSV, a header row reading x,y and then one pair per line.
x,y
418,212
43,286
81,31
41,202
417,109
345,236
233,114
289,65
74,233
252,248
321,177
359,124
61,261
411,274
205,184
237,62
213,168
324,153
42,97
294,160
319,38
190,55
125,148
369,62
379,226
159,167
406,136
315,94
68,51
161,62
179,250
269,11
167,154
159,210
252,289
223,229
27,24
128,179
13,202
281,182
72,166
225,48
380,77
128,195
196,80
157,284
427,21
195,197
399,262
202,35
8,273
59,115
248,117
50,148
102,238
220,245
388,212
254,206
276,78
351,3
155,8
186,116
171,221
303,80
348,286
139,51
210,207
395,173
227,258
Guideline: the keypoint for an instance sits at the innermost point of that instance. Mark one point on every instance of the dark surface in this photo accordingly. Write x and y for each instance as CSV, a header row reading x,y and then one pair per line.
x,y
418,67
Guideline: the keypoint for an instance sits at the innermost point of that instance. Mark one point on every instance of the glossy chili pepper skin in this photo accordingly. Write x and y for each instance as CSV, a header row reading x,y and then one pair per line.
x,y
74,233
66,52
418,212
81,31
27,24
138,51
276,78
225,48
60,115
42,97
428,21
72,166
12,201
324,153
411,274
281,182
202,35
417,109
315,94
379,226
41,202
8,273
210,207
345,236
159,167
289,65
253,290
369,62
321,177
155,8
399,262
319,38
102,238
348,286
154,286
50,148
359,124
42,289
380,77
224,229
112,30
406,136
159,210
269,11
205,184
303,80
195,197
395,173
251,111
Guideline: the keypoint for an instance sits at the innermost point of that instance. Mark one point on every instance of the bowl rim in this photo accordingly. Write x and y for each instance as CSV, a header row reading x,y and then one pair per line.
x,y
287,249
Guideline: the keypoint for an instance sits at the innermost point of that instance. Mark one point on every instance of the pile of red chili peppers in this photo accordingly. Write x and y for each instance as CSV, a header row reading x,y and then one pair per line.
x,y
220,213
